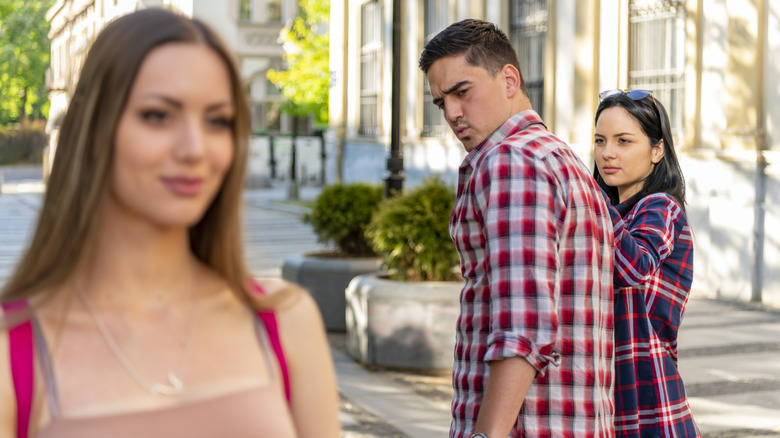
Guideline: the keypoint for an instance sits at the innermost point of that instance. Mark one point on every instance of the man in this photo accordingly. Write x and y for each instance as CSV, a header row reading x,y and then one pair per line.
x,y
534,353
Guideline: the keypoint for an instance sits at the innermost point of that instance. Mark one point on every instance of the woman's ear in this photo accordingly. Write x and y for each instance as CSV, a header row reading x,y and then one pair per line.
x,y
657,151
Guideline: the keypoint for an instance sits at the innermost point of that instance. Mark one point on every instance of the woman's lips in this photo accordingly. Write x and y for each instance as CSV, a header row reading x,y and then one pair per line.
x,y
183,186
610,170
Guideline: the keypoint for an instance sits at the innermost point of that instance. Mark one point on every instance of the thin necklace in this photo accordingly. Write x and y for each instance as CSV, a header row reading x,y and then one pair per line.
x,y
175,385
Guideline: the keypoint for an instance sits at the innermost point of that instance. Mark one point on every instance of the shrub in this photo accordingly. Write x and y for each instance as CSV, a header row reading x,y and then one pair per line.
x,y
341,214
411,231
22,146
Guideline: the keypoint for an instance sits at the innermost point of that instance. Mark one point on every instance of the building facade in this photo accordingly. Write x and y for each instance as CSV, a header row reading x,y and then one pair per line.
x,y
712,67
250,27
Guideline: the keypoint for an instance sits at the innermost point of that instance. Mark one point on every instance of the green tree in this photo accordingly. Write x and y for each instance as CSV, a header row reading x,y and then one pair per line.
x,y
305,83
24,58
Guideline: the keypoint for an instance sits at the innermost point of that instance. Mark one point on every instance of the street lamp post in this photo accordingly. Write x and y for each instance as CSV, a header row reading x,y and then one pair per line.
x,y
292,188
394,182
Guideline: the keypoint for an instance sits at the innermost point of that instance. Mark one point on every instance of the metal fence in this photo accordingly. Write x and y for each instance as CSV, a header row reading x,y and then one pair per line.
x,y
528,32
438,15
657,55
370,77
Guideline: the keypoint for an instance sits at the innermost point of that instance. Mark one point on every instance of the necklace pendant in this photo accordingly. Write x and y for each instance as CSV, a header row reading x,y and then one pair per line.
x,y
174,387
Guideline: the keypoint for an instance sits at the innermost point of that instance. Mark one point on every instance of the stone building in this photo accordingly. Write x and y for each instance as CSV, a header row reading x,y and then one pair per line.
x,y
250,27
713,63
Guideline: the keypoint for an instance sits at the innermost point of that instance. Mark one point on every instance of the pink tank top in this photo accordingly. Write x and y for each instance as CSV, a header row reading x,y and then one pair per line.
x,y
248,413
258,412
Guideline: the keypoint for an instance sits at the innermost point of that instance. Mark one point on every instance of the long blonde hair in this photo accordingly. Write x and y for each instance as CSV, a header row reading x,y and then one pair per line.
x,y
85,152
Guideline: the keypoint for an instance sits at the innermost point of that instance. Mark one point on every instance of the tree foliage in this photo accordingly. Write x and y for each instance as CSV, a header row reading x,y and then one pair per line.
x,y
24,58
305,83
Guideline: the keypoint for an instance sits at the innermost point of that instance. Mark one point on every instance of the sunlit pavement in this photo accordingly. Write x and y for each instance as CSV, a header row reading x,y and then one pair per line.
x,y
729,353
730,362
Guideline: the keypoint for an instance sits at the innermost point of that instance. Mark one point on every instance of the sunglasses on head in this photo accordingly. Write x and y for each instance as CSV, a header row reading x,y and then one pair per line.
x,y
632,94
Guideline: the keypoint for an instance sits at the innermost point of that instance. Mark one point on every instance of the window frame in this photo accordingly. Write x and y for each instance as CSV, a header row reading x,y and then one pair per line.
x,y
528,33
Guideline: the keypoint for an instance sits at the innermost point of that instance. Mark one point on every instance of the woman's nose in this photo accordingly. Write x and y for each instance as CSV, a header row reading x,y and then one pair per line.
x,y
608,151
192,142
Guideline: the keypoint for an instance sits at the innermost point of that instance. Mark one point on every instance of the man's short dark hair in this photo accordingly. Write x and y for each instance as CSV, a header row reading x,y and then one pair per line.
x,y
484,45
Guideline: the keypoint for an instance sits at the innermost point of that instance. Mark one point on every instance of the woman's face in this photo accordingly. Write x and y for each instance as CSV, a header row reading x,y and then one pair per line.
x,y
174,141
623,152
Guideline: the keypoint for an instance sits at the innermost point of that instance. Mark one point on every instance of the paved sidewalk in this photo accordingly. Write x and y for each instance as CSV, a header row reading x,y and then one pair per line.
x,y
390,403
729,353
729,358
373,404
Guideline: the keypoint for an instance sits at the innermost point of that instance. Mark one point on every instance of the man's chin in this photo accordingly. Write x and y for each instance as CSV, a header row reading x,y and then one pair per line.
x,y
468,143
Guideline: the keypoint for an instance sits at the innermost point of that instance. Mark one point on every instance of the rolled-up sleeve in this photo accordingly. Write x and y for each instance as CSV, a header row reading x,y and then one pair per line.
x,y
517,197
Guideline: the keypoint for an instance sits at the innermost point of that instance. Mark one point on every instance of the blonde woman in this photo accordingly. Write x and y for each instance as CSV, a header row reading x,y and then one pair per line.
x,y
132,312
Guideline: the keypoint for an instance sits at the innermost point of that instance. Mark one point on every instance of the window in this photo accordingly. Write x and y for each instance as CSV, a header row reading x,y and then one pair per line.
x,y
245,10
657,54
273,10
266,111
260,11
370,52
528,32
437,17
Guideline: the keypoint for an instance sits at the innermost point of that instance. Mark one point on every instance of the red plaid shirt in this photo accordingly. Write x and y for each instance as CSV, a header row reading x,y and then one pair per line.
x,y
535,243
653,276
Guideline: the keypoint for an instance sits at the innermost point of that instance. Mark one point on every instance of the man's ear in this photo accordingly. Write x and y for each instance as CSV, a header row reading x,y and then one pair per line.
x,y
511,78
657,151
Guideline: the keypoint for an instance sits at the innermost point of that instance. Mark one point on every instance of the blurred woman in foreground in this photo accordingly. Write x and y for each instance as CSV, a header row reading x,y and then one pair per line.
x,y
132,312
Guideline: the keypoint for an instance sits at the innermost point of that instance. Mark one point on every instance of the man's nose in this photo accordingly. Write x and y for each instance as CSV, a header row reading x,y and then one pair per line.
x,y
453,111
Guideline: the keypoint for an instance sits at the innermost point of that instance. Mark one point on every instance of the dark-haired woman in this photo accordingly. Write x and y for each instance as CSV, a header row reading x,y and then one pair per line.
x,y
637,168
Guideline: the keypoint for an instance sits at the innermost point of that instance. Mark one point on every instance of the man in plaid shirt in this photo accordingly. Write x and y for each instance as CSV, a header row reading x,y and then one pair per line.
x,y
534,354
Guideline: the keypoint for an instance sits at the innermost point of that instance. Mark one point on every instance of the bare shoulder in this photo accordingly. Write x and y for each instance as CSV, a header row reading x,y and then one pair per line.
x,y
286,299
295,309
273,286
306,349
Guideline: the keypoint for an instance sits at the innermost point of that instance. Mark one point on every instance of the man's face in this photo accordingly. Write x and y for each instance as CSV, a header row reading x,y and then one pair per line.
x,y
474,102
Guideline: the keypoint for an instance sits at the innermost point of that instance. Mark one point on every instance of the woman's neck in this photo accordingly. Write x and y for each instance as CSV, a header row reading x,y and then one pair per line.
x,y
137,265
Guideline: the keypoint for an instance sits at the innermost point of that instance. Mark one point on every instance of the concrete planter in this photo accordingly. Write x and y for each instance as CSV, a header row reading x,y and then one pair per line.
x,y
399,324
326,278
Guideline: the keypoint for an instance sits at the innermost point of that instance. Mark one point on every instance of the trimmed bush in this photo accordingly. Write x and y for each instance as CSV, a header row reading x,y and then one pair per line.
x,y
341,214
22,146
411,232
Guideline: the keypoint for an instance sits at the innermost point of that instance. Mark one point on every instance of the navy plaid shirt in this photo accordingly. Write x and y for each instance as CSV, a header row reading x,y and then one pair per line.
x,y
653,275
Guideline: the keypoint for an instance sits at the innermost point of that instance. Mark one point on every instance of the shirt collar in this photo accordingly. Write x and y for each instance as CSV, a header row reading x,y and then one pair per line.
x,y
513,125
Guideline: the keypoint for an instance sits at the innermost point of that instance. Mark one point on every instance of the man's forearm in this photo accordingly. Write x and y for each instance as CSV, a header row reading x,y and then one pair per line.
x,y
507,387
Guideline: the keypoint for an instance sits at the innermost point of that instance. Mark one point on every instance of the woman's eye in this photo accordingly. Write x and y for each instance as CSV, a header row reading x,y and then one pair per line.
x,y
598,141
220,121
154,116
